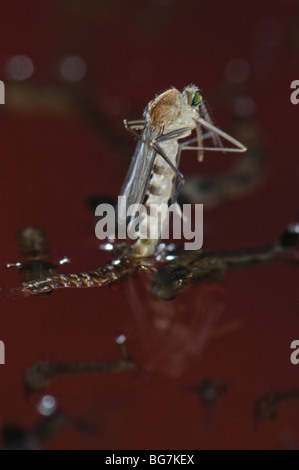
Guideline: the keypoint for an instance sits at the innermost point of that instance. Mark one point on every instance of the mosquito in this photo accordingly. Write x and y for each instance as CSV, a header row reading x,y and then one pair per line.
x,y
153,174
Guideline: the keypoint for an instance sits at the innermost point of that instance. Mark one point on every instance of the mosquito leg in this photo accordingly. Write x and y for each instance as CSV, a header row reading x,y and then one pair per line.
x,y
190,141
132,125
238,146
199,140
195,139
181,179
177,134
173,134
163,155
215,149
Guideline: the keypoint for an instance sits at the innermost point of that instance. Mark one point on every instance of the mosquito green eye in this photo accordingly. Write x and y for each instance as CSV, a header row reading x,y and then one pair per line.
x,y
196,99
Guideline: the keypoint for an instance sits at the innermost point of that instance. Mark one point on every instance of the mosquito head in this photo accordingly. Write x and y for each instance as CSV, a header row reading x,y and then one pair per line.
x,y
190,104
191,96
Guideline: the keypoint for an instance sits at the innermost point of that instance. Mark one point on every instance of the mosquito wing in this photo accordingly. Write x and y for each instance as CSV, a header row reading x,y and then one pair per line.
x,y
138,176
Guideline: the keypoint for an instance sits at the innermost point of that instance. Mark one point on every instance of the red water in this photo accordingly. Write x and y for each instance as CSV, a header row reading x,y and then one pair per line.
x,y
238,333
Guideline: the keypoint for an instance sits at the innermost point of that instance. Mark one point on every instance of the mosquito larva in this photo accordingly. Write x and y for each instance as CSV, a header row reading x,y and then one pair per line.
x,y
43,374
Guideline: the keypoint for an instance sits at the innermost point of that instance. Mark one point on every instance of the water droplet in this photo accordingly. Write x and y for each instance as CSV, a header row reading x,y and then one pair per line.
x,y
72,68
19,67
47,405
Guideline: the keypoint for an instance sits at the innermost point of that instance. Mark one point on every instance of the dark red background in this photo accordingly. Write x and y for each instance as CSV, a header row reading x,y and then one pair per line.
x,y
238,333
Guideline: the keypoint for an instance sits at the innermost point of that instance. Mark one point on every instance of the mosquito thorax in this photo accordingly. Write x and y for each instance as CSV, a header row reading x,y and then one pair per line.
x,y
164,109
173,109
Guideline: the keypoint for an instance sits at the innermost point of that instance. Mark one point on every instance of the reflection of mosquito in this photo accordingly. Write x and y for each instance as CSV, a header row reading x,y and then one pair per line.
x,y
209,393
35,252
42,374
191,267
153,172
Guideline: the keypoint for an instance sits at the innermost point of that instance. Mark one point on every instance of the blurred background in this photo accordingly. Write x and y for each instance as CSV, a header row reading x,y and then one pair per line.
x,y
73,70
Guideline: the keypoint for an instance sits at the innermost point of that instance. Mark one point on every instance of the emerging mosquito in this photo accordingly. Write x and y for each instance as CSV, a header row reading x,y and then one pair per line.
x,y
191,267
35,252
153,173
